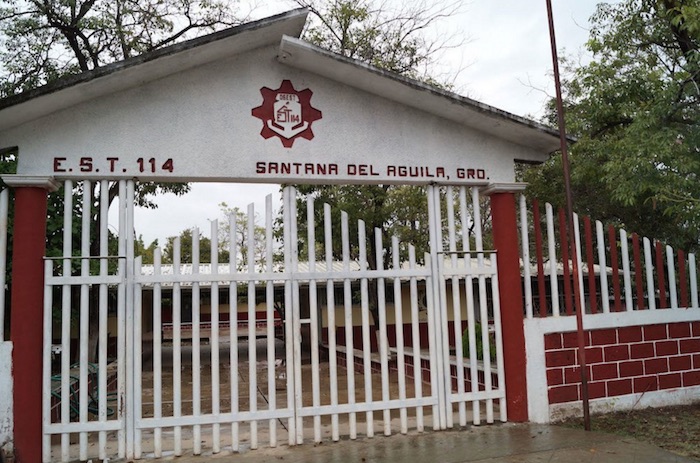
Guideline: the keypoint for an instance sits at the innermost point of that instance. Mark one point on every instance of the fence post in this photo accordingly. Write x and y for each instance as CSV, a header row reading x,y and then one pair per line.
x,y
27,302
505,240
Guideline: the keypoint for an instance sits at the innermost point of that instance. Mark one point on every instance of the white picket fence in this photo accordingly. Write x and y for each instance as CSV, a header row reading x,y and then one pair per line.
x,y
617,271
209,387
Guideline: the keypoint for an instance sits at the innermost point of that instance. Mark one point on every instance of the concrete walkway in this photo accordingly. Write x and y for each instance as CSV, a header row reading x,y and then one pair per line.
x,y
494,444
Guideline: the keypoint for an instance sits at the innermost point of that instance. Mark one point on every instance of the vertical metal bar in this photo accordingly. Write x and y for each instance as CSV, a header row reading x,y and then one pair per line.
x,y
270,309
570,213
483,304
252,341
103,310
138,367
177,348
592,292
683,278
563,239
383,342
233,324
415,339
693,281
498,330
483,301
600,238
4,208
332,341
541,283
297,320
121,318
398,323
313,312
46,395
471,318
349,325
649,274
84,324
66,317
131,348
436,308
671,277
214,340
436,345
525,243
196,348
290,335
432,343
553,277
456,305
366,343
444,367
615,264
624,250
157,355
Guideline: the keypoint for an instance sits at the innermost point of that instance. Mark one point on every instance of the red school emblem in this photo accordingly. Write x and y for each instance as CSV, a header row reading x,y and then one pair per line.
x,y
286,113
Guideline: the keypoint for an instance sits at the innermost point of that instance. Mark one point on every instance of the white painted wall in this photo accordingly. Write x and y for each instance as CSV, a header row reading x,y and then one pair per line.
x,y
540,411
6,417
201,118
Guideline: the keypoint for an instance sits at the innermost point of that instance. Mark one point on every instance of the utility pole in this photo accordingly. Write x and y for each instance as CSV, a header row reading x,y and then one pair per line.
x,y
570,224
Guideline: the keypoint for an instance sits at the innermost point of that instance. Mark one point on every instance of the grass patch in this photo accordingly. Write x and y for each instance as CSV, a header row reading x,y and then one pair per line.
x,y
676,429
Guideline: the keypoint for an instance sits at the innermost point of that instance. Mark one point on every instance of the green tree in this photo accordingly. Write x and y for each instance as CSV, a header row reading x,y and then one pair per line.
x,y
635,109
186,248
42,41
395,39
146,252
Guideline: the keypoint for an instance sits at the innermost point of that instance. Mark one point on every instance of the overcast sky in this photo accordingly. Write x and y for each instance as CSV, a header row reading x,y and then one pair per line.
x,y
505,62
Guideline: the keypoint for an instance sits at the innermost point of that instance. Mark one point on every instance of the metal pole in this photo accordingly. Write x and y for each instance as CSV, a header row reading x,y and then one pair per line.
x,y
570,224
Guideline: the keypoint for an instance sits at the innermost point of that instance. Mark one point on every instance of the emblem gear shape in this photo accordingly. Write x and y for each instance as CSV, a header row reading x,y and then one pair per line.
x,y
286,113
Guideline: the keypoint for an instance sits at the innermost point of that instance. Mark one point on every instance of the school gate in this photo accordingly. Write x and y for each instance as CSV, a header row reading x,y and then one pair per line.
x,y
250,351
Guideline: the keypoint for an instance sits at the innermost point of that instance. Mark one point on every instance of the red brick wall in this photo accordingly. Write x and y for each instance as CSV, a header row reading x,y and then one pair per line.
x,y
622,361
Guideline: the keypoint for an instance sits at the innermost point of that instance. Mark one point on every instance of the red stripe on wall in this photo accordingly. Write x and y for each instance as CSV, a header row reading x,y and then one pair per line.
x,y
638,271
683,277
663,301
615,264
565,262
591,264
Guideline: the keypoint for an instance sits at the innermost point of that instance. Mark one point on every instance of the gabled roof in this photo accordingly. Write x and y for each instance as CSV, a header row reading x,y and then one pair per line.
x,y
285,30
148,67
449,105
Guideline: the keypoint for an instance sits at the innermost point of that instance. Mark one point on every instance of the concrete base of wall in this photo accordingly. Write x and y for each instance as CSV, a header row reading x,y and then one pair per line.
x,y
6,417
684,396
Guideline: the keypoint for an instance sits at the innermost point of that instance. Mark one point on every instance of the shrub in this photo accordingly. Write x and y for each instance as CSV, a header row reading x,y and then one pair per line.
x,y
479,343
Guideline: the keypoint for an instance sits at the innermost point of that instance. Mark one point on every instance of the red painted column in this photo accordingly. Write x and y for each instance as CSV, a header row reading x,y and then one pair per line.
x,y
505,239
29,247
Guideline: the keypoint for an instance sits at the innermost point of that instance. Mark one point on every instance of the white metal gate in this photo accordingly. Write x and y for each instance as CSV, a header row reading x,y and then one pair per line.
x,y
252,350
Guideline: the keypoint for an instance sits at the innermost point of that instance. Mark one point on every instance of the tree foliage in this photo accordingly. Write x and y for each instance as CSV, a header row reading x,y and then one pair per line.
x,y
635,109
44,40
391,36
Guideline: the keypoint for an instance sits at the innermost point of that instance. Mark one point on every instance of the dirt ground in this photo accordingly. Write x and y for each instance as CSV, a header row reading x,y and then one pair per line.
x,y
676,429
